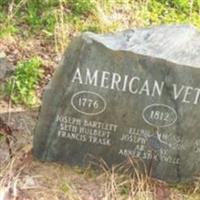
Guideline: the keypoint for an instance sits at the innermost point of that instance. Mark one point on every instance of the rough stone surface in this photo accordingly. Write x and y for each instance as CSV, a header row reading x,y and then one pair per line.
x,y
132,93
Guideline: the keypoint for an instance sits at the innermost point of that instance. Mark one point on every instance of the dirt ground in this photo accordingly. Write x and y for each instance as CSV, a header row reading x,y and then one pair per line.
x,y
24,177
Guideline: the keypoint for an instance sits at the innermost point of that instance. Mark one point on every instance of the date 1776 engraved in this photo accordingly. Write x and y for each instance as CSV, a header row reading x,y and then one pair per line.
x,y
88,103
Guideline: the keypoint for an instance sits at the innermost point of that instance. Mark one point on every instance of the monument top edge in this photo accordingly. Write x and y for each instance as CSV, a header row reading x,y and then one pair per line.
x,y
179,44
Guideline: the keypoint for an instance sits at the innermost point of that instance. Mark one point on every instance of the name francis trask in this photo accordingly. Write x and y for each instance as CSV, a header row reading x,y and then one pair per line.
x,y
134,85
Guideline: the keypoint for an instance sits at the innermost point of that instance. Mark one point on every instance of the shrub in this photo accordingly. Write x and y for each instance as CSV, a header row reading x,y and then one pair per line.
x,y
22,85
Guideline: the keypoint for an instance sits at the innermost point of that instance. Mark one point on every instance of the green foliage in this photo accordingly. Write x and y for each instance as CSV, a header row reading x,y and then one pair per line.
x,y
81,7
177,11
8,30
21,86
185,6
33,13
39,14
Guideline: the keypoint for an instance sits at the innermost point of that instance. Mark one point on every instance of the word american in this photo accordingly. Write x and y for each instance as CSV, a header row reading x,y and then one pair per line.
x,y
134,85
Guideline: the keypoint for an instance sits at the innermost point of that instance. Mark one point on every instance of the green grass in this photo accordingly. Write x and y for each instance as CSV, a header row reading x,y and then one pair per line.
x,y
87,15
178,11
81,7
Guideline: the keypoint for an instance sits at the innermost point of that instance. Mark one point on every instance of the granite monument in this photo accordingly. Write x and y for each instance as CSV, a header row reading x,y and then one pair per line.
x,y
134,93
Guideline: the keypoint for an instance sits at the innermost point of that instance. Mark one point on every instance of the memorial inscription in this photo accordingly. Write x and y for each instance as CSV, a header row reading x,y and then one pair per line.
x,y
133,93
